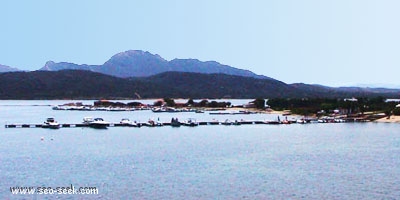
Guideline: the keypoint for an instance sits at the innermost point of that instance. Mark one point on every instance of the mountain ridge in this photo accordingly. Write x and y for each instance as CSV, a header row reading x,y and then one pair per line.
x,y
5,68
81,84
137,63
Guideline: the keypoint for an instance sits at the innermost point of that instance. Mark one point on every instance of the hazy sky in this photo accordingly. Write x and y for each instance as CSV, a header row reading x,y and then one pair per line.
x,y
330,42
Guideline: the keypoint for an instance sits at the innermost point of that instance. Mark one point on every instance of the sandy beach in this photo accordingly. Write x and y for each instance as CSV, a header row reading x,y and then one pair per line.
x,y
393,119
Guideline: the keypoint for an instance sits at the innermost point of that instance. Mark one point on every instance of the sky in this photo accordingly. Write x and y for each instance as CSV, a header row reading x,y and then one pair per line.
x,y
328,42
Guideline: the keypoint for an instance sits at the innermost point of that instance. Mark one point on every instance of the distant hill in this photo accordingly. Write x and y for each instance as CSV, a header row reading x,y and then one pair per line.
x,y
136,63
209,67
52,66
4,68
306,90
199,85
378,85
72,84
78,84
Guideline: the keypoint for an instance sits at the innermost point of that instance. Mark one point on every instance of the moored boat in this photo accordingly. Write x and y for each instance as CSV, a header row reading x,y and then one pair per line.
x,y
175,122
191,122
96,122
51,123
236,122
227,122
303,121
127,122
153,123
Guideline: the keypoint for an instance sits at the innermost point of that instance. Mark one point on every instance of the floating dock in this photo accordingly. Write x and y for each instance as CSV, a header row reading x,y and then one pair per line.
x,y
233,123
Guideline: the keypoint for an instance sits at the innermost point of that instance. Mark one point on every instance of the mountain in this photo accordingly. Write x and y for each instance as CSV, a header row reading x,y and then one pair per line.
x,y
197,85
321,91
52,66
72,84
78,84
209,67
4,68
136,63
378,85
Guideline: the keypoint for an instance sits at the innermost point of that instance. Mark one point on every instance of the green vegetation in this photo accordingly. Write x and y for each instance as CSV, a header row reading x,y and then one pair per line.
x,y
396,111
74,84
169,102
259,103
321,106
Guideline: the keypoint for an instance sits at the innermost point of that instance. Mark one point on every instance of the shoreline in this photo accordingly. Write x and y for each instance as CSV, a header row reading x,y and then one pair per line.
x,y
370,116
393,119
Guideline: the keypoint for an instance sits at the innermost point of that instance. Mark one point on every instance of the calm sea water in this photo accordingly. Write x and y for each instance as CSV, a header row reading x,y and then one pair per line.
x,y
314,161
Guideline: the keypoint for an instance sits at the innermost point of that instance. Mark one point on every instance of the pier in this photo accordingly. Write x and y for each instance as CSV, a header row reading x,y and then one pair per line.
x,y
168,124
78,125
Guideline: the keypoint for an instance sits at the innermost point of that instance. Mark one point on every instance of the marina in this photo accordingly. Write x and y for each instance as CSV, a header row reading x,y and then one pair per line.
x,y
181,156
100,123
144,124
149,116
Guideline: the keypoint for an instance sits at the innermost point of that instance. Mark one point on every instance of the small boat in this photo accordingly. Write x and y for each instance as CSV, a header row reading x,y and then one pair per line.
x,y
96,122
99,123
191,122
302,121
51,123
150,123
236,122
153,123
175,122
227,122
199,111
127,122
340,120
159,123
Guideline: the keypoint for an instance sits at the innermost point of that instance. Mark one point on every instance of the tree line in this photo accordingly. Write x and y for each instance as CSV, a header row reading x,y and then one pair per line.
x,y
306,106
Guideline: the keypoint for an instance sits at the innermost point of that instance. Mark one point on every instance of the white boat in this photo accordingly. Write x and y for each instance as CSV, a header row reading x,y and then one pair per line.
x,y
96,122
340,120
51,123
153,123
191,122
126,121
301,121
